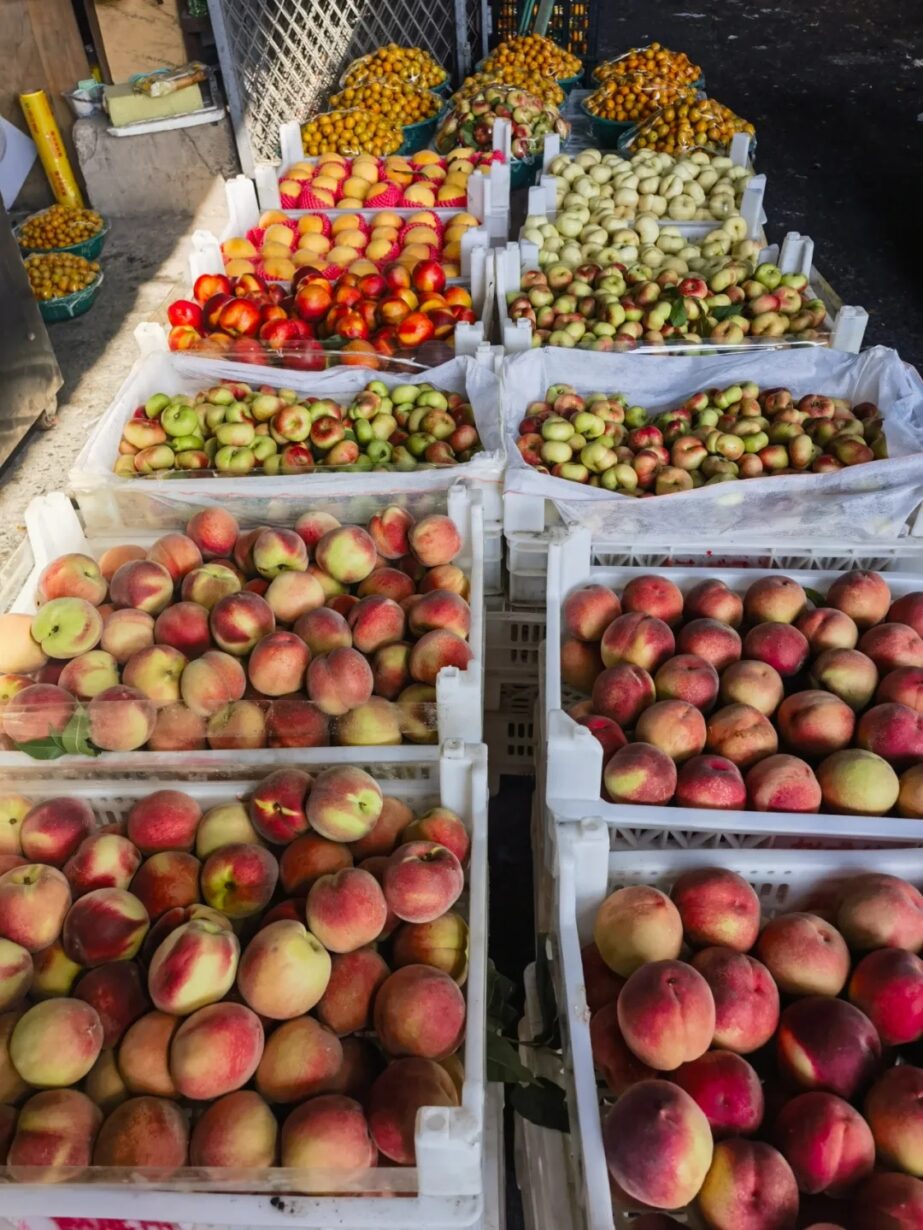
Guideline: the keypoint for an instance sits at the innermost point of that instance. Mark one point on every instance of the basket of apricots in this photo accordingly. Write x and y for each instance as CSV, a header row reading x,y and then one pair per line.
x,y
420,180
622,101
351,131
540,56
402,103
411,64
279,246
653,61
691,123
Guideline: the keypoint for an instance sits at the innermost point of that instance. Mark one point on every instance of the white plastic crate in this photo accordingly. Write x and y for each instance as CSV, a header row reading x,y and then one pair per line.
x,y
509,730
105,499
575,759
447,1186
513,640
789,881
796,255
493,551
54,529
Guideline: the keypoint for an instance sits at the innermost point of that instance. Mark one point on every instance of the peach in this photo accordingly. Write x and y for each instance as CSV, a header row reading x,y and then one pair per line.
x,y
178,553
804,954
362,1064
11,684
783,783
710,781
117,992
673,726
640,773
346,910
580,664
312,526
344,803
442,826
607,733
294,721
34,900
308,858
656,596
54,973
276,551
225,825
717,906
827,628
215,1051
184,627
207,585
587,612
382,838
278,663
715,642
72,576
848,673
67,627
881,911
635,925
825,1043
392,583
864,596
815,723
438,608
346,553
638,640
107,924
355,978
379,723
779,645
143,585
164,820
177,729
442,943
20,652
391,670
121,719
214,531
334,591
301,1059
887,1200
894,732
826,1142
666,1014
741,734
622,693
15,974
143,1132
52,831
277,805
375,622
435,650
749,1186
727,1090
55,1131
746,998
891,646
434,540
240,879
389,531
611,1057
910,799
240,621
238,1131
892,1107
167,880
113,558
415,711
37,712
712,599
103,1084
143,1055
293,594
339,681
56,1042
13,810
419,1011
12,1087
422,881
283,971
903,686
176,917
241,724
887,985
396,1098
195,965
658,1144
327,1134
774,599
688,678
857,782
908,610
89,674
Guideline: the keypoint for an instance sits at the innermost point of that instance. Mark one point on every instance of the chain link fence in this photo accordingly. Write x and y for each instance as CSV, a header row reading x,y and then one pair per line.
x,y
281,58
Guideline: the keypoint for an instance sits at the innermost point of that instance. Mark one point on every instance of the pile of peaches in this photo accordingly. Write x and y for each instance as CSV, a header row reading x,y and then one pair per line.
x,y
363,317
764,1075
420,181
186,988
280,246
233,428
229,639
776,699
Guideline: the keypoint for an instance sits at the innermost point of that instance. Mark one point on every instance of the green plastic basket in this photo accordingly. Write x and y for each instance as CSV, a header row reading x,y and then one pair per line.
x,y
68,307
523,172
606,133
570,83
419,135
89,249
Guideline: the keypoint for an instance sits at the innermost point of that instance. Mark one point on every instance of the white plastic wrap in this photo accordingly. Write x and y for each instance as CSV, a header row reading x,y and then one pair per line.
x,y
860,502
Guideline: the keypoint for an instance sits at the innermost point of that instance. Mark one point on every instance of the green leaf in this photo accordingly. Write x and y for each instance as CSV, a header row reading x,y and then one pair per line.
x,y
542,1103
815,597
723,312
678,315
503,996
43,749
503,1062
75,738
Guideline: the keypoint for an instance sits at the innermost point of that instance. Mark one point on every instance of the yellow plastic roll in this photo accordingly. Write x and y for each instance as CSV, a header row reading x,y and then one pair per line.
x,y
47,137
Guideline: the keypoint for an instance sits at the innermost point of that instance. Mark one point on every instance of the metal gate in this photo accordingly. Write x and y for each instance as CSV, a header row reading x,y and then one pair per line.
x,y
281,58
